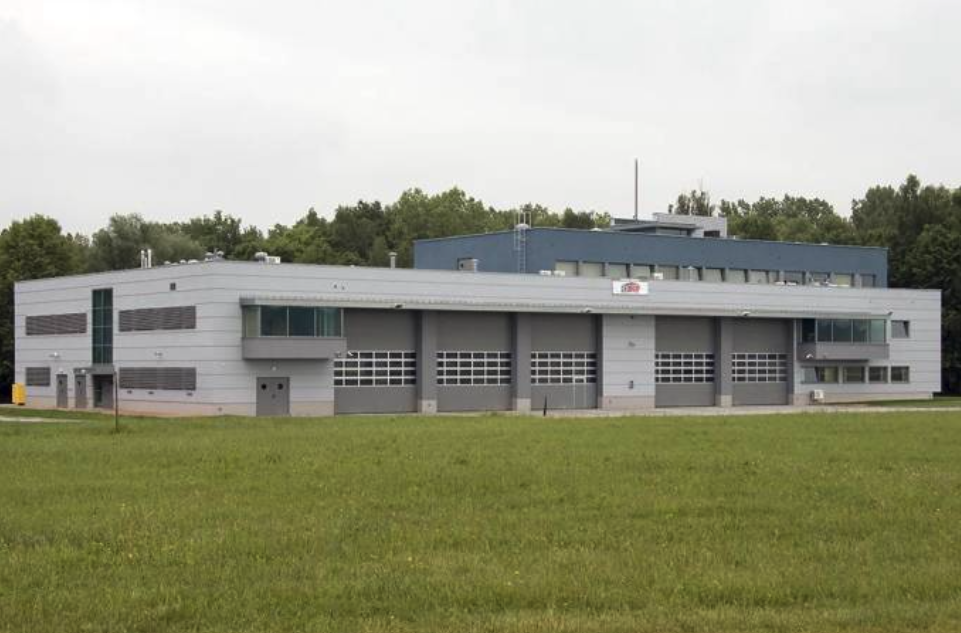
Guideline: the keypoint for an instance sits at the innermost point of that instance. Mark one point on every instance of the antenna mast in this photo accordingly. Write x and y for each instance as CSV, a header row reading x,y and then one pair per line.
x,y
635,189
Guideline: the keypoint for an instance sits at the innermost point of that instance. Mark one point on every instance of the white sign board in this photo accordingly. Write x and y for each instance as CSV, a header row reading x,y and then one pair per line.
x,y
630,287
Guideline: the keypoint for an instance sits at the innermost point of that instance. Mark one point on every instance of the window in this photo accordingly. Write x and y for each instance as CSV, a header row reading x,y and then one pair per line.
x,y
568,268
868,281
853,374
877,331
900,329
563,368
861,331
712,233
103,326
794,277
845,280
819,278
591,269
683,367
54,324
330,321
821,374
38,376
759,367
641,271
736,275
809,331
713,274
877,374
292,321
825,333
149,319
667,272
376,369
690,273
842,331
617,271
473,368
158,378
301,321
273,321
900,374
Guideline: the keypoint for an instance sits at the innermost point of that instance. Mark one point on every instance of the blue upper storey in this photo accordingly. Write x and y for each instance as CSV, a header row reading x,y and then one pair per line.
x,y
544,247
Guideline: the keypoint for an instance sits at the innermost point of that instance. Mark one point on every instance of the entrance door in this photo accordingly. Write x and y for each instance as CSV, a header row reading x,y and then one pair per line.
x,y
103,392
80,392
62,391
273,396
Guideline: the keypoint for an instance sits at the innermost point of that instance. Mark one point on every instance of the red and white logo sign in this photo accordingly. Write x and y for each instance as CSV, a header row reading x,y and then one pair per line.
x,y
630,287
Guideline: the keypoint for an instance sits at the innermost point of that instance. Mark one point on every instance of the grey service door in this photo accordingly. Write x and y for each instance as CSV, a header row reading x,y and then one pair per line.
x,y
273,396
62,391
80,392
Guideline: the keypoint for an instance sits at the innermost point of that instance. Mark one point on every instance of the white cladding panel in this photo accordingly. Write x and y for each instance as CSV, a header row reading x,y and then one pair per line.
x,y
217,289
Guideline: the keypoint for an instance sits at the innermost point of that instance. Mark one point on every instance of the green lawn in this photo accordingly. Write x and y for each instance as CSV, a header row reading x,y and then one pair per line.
x,y
937,401
811,522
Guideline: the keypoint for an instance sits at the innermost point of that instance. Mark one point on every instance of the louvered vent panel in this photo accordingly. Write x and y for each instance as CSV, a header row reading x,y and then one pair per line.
x,y
38,376
147,319
159,378
49,324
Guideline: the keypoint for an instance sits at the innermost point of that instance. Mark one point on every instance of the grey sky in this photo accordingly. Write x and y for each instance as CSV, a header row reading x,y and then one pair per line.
x,y
174,109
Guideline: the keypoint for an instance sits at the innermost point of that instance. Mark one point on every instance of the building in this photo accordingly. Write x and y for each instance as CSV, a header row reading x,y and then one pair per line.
x,y
226,337
669,247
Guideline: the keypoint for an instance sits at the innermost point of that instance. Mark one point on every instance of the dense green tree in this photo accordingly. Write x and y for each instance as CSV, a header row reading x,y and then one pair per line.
x,y
921,227
697,202
34,248
224,232
118,246
790,219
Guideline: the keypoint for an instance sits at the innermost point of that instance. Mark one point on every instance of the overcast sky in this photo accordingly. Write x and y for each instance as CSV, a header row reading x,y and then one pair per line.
x,y
263,109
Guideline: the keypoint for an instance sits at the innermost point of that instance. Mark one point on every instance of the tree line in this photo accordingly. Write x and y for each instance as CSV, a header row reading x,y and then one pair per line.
x,y
919,224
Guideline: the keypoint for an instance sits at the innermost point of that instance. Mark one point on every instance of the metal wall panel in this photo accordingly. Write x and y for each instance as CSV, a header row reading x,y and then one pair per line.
x,y
768,336
686,335
216,288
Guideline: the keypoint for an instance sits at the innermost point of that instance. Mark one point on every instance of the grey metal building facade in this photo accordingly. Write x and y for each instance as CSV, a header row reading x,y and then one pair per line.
x,y
253,338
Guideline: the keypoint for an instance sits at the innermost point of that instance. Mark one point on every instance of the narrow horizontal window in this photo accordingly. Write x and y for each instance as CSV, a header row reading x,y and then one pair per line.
x,y
683,367
38,376
376,368
470,368
563,368
759,367
55,324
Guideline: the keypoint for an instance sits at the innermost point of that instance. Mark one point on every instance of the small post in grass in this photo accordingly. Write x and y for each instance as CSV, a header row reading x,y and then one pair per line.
x,y
545,406
116,402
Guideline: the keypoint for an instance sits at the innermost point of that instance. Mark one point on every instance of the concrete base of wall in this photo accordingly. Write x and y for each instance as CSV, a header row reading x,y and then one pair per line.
x,y
723,401
522,405
625,403
802,399
320,408
426,406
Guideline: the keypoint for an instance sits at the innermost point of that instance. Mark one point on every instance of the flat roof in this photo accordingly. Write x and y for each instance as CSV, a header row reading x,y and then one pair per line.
x,y
650,236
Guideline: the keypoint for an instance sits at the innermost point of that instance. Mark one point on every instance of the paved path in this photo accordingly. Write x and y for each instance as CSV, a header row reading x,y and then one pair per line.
x,y
24,420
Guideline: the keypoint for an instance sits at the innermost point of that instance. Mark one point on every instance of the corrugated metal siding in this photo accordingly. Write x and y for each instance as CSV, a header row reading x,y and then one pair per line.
x,y
51,324
38,376
159,378
147,319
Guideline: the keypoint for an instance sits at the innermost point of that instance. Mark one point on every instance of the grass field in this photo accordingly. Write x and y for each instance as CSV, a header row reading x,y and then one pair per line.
x,y
937,401
812,522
